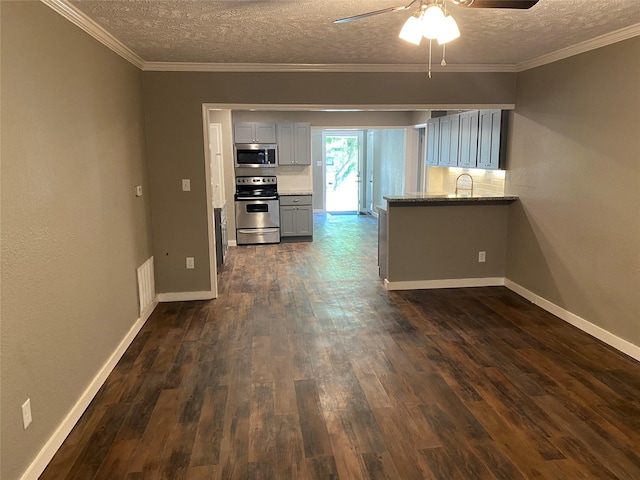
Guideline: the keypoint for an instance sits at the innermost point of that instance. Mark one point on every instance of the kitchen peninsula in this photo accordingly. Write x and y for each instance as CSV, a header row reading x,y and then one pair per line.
x,y
441,241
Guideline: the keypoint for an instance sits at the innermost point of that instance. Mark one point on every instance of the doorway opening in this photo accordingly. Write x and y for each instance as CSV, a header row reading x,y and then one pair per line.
x,y
342,152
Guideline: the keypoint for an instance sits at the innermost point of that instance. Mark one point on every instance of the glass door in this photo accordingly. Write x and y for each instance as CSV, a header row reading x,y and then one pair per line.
x,y
342,152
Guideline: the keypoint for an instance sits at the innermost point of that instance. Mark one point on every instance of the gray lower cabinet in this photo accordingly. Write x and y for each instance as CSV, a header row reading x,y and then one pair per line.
x,y
296,216
383,243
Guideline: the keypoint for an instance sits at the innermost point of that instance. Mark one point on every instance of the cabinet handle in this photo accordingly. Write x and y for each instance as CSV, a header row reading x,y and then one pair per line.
x,y
296,201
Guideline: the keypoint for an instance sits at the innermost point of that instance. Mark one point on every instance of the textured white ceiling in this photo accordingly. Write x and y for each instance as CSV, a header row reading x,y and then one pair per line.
x,y
302,32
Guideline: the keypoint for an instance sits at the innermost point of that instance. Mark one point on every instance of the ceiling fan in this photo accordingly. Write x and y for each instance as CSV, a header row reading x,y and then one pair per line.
x,y
432,20
513,4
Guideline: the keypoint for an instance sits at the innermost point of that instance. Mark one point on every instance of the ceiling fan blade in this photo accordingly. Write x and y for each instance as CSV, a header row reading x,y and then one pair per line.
x,y
519,4
375,12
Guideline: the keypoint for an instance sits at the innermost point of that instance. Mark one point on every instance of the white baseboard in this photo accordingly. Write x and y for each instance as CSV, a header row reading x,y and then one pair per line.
x,y
600,333
55,441
232,243
185,296
447,283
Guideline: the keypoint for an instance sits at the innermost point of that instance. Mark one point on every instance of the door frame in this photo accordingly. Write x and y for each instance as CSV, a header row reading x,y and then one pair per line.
x,y
368,172
227,143
211,228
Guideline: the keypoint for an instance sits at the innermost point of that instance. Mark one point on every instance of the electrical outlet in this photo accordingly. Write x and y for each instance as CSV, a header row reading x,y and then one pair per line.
x,y
186,185
26,413
482,257
190,263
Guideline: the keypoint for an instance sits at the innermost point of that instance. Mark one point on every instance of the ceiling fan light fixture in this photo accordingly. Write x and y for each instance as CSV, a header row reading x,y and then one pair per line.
x,y
412,30
448,30
432,21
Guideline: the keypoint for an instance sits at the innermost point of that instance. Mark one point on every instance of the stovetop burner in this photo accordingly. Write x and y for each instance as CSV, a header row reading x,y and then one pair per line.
x,y
257,186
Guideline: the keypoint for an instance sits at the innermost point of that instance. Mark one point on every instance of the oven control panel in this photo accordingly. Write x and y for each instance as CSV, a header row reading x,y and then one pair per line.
x,y
264,180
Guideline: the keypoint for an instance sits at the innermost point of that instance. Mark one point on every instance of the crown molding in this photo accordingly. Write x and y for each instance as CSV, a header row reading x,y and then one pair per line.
x,y
326,67
79,19
82,21
582,47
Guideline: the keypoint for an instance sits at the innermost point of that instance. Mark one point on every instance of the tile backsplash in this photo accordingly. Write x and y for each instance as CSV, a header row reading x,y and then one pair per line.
x,y
485,182
291,178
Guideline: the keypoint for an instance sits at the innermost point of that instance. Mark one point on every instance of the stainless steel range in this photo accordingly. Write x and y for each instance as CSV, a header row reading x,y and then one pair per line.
x,y
257,210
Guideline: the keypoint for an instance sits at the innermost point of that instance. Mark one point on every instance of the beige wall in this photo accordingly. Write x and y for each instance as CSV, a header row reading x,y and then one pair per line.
x,y
442,242
574,237
173,111
72,231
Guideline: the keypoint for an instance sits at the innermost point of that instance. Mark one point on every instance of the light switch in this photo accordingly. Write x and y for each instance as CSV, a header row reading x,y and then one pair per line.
x,y
186,185
138,190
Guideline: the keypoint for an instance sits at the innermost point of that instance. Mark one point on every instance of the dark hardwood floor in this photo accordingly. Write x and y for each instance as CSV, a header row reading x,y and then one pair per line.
x,y
305,367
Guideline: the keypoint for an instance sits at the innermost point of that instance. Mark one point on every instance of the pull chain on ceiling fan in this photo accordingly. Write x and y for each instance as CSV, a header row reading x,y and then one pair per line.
x,y
433,21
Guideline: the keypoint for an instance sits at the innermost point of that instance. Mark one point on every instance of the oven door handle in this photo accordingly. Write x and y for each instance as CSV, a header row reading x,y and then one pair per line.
x,y
258,231
242,199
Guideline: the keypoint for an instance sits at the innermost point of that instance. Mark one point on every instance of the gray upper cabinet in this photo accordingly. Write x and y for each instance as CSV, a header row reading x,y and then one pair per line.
x,y
490,139
294,144
285,144
449,140
468,139
433,141
252,132
302,142
473,139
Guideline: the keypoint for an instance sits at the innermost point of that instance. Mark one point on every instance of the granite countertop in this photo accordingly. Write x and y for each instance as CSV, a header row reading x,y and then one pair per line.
x,y
420,198
292,193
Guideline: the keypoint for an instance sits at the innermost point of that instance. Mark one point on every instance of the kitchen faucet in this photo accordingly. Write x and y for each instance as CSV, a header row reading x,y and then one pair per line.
x,y
470,178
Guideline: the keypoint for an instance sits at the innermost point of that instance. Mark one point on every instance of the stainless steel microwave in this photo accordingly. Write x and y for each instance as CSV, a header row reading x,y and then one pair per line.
x,y
256,155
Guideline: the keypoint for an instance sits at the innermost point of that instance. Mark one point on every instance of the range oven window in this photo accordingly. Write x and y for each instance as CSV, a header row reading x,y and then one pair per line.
x,y
259,208
256,155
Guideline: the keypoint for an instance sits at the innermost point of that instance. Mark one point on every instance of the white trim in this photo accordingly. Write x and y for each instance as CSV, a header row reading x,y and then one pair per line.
x,y
305,107
582,47
232,243
324,67
447,283
211,229
595,331
82,21
185,296
57,439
